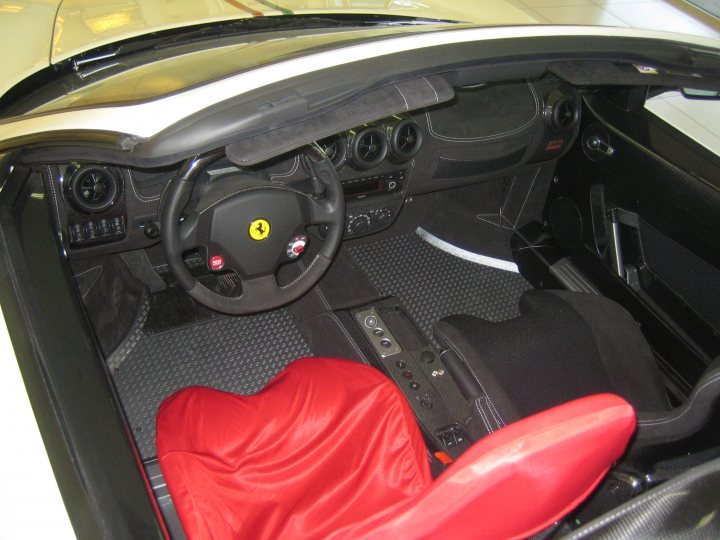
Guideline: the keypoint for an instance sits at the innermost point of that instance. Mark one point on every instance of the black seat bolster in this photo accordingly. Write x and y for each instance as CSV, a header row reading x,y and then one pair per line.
x,y
491,406
626,356
562,346
691,416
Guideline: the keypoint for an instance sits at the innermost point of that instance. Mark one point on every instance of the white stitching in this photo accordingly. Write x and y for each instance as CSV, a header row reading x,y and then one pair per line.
x,y
522,208
316,288
354,345
482,416
507,197
438,136
437,99
484,399
294,281
293,169
687,405
491,405
87,271
140,197
407,107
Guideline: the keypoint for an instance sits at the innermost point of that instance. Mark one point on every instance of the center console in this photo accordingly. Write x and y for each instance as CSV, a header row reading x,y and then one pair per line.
x,y
404,355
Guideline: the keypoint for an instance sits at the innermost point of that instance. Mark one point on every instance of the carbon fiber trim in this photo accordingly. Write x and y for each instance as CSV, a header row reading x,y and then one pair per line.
x,y
236,354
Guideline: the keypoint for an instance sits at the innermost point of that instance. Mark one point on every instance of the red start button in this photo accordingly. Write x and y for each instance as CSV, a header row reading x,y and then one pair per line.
x,y
216,262
298,247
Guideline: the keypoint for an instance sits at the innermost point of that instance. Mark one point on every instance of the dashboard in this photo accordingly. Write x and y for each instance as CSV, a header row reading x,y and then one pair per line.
x,y
477,133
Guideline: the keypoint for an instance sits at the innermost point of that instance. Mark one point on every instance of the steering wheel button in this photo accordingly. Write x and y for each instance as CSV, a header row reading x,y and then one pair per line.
x,y
216,262
296,246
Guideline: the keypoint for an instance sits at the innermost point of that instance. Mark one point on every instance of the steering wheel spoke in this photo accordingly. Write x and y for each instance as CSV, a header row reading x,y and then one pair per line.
x,y
188,232
320,211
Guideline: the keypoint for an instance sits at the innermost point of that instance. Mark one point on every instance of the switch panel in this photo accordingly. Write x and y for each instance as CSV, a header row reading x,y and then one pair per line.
x,y
378,333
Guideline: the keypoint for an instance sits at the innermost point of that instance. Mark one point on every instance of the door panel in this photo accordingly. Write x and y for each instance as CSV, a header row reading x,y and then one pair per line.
x,y
648,200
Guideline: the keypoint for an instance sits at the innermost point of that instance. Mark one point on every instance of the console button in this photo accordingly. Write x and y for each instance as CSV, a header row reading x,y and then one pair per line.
x,y
378,332
371,321
386,343
382,216
414,385
359,224
400,364
407,374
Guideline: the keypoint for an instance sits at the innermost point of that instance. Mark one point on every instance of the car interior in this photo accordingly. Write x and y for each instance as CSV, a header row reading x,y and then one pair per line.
x,y
495,239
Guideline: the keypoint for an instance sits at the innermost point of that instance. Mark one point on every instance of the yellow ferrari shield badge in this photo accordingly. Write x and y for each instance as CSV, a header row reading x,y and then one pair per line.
x,y
259,229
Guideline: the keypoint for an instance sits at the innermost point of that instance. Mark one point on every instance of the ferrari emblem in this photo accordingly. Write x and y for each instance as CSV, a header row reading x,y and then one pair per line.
x,y
259,229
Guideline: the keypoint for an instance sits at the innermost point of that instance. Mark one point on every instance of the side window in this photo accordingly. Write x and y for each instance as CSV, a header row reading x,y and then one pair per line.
x,y
699,119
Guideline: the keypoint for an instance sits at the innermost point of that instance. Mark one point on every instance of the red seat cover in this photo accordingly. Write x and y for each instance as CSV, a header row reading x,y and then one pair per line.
x,y
330,449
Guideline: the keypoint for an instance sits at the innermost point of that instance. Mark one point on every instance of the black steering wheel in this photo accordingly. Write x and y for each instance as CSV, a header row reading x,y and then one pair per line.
x,y
251,226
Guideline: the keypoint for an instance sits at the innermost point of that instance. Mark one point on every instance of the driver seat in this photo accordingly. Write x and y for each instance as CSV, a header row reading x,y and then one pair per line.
x,y
330,449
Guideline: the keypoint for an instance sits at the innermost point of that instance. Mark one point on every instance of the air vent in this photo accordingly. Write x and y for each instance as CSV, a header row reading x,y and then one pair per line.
x,y
405,139
93,188
336,149
369,148
561,113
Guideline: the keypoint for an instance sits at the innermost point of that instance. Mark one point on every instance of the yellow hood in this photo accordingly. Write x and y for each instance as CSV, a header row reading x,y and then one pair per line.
x,y
35,34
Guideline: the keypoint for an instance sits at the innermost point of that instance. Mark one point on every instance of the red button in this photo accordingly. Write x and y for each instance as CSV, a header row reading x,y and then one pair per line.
x,y
216,262
298,248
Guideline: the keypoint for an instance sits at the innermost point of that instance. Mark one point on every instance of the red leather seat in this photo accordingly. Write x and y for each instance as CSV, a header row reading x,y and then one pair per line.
x,y
330,449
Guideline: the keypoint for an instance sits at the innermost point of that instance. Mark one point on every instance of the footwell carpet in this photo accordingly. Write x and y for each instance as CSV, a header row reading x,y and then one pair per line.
x,y
237,354
432,284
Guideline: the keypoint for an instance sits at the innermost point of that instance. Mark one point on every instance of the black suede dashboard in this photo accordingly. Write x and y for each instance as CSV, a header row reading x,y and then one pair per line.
x,y
393,142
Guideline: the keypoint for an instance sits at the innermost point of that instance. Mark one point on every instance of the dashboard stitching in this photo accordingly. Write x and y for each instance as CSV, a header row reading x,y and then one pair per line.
x,y
407,107
507,197
244,190
87,271
438,136
293,168
137,195
522,208
437,99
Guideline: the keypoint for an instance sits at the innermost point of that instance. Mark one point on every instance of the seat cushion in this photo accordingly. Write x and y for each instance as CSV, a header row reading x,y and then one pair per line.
x,y
563,346
324,445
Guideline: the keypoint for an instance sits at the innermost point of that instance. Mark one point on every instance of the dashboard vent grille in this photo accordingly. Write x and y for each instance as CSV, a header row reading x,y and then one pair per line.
x,y
405,139
562,113
369,147
335,149
93,188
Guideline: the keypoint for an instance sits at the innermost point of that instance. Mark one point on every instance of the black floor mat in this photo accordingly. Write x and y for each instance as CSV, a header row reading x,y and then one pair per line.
x,y
237,354
432,284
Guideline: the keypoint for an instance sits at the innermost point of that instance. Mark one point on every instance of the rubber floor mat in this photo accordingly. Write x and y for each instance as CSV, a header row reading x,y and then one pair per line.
x,y
432,284
236,354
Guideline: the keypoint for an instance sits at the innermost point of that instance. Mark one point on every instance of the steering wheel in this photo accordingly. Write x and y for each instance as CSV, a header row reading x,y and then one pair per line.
x,y
251,226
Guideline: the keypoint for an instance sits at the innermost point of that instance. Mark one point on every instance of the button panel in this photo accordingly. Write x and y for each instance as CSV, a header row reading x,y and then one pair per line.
x,y
98,230
377,332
